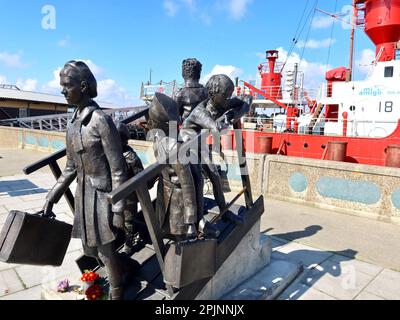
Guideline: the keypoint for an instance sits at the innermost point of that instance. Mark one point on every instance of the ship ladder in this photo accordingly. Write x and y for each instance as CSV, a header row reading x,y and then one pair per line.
x,y
314,118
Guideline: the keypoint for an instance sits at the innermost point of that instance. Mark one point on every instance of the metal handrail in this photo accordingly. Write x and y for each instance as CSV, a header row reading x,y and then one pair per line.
x,y
59,154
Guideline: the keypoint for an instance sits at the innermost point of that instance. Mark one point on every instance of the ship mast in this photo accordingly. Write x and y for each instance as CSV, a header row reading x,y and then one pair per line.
x,y
352,24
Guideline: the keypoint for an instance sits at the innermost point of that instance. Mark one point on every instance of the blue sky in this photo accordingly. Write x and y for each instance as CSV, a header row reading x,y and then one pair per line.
x,y
121,40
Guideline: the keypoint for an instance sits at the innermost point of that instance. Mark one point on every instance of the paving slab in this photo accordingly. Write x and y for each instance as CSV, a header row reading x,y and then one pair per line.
x,y
343,283
36,196
75,245
300,253
36,275
7,201
364,295
6,266
3,209
300,291
372,240
277,243
386,285
3,218
359,266
10,282
25,205
33,293
14,160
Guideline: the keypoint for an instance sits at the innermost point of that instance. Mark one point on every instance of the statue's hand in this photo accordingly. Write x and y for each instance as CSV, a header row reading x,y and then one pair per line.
x,y
191,232
223,124
118,220
48,210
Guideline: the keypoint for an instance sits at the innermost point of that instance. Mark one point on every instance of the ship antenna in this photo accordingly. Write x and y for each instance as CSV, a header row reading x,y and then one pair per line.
x,y
308,31
330,40
297,36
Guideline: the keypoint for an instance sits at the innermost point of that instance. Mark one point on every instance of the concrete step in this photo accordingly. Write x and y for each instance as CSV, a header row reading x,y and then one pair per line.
x,y
268,283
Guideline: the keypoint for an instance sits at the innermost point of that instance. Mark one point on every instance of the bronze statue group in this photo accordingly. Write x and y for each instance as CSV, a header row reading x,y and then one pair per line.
x,y
99,157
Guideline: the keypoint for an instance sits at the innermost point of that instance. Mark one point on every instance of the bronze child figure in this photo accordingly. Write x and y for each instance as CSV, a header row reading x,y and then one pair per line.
x,y
134,166
220,103
95,158
193,92
176,198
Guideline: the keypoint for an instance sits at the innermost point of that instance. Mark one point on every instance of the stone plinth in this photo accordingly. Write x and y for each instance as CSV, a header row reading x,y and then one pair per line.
x,y
249,257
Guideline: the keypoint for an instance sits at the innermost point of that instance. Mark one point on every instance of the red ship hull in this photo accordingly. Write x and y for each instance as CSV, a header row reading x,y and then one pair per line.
x,y
370,151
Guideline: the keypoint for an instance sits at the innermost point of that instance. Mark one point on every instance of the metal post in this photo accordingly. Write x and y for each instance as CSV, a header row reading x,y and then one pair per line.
x,y
243,164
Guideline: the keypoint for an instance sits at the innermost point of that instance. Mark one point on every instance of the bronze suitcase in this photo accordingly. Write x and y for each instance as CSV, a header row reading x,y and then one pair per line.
x,y
189,261
34,240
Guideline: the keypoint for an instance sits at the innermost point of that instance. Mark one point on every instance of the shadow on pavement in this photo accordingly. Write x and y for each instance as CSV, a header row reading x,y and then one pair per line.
x,y
315,269
23,187
307,232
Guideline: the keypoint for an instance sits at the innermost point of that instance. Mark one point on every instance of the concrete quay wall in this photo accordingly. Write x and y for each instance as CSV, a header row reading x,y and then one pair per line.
x,y
370,191
46,141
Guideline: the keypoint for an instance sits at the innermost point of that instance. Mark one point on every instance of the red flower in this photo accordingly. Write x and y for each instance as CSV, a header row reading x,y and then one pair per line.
x,y
94,292
89,276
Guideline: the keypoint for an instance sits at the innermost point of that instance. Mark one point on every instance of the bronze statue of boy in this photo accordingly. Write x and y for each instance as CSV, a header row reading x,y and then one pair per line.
x,y
193,92
220,103
176,193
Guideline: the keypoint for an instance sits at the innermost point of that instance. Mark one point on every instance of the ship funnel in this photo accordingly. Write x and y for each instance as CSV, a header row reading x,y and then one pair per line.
x,y
271,80
382,25
272,56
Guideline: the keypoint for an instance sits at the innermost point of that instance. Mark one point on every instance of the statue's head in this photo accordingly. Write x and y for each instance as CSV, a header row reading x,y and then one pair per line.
x,y
220,88
77,81
162,111
191,69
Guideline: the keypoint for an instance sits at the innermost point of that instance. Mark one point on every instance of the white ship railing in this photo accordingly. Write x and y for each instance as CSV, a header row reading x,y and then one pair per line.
x,y
354,126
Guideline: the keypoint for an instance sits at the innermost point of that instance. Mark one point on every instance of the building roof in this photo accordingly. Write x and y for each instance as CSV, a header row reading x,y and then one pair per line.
x,y
16,94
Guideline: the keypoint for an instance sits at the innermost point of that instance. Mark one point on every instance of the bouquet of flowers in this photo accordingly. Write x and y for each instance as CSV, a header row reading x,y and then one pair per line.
x,y
93,285
63,286
94,292
90,276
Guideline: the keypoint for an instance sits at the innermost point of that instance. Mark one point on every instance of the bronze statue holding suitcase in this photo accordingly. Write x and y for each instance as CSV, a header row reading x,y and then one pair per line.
x,y
95,158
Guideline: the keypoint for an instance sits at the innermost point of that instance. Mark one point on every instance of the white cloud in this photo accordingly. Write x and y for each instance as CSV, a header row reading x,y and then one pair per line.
x,y
97,71
3,80
11,60
171,7
363,64
261,55
231,71
53,86
235,8
27,85
63,42
108,89
238,8
322,22
314,72
315,44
